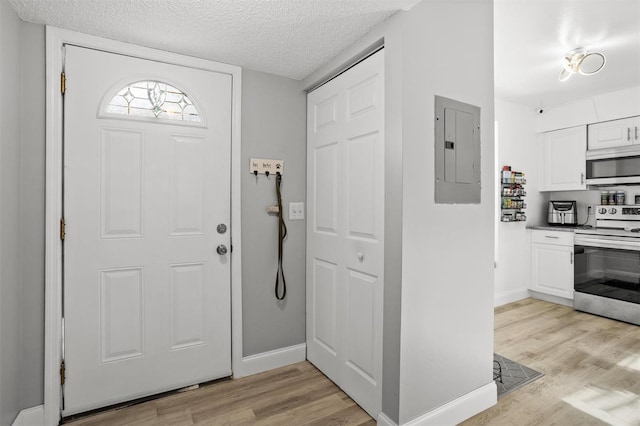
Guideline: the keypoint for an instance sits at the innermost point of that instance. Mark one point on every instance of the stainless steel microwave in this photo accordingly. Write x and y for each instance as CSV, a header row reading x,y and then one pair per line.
x,y
614,166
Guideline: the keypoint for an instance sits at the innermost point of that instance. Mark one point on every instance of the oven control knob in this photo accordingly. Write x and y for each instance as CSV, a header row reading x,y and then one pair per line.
x,y
602,210
613,210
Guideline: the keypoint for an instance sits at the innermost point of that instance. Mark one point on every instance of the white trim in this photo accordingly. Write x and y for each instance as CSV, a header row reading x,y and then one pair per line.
x,y
56,38
459,409
30,417
383,420
273,359
453,412
509,296
551,298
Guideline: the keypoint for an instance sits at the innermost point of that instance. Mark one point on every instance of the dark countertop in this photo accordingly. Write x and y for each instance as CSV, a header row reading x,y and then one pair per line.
x,y
555,228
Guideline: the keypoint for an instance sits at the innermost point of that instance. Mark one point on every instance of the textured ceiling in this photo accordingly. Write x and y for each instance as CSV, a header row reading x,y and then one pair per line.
x,y
531,37
291,38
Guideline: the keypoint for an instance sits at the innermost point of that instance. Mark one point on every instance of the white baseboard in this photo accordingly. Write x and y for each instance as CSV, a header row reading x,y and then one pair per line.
x,y
33,416
383,420
551,298
273,359
453,412
509,296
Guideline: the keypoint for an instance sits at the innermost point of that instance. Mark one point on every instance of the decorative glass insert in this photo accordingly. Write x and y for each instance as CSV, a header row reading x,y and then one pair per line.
x,y
153,99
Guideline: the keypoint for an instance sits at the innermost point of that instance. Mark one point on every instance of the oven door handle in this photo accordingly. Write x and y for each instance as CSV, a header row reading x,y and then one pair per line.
x,y
612,244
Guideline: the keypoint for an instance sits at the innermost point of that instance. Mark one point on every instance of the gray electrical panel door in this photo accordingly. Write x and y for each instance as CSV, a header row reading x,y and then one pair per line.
x,y
457,152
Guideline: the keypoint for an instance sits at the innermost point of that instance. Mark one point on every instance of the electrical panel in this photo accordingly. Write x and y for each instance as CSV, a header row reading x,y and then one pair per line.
x,y
457,152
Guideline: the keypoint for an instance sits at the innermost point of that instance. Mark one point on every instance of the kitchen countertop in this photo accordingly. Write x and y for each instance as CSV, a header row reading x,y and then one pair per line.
x,y
555,228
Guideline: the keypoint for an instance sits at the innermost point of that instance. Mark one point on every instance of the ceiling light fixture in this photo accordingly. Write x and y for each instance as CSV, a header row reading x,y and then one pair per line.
x,y
583,62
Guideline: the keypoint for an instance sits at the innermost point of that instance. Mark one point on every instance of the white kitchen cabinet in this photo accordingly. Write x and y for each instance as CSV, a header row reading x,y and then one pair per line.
x,y
563,159
611,134
552,262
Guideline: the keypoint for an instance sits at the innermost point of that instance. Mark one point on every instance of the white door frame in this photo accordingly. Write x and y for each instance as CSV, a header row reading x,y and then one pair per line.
x,y
56,38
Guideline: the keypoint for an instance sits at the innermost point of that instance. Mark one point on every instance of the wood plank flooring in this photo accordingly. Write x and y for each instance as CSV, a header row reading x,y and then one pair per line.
x,y
588,362
294,395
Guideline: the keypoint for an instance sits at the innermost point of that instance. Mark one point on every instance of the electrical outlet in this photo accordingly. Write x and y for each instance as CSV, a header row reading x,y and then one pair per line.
x,y
296,211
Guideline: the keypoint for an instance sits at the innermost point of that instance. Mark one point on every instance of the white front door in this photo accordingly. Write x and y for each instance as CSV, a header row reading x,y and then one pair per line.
x,y
345,230
146,184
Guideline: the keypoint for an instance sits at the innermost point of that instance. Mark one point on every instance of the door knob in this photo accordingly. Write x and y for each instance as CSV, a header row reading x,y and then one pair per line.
x,y
360,256
221,249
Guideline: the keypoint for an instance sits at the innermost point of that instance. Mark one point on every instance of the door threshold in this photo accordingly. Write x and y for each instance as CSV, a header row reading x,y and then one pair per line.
x,y
142,400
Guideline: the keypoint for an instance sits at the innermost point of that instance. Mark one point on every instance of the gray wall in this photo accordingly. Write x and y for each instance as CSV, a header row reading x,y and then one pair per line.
x,y
274,114
273,126
32,198
9,214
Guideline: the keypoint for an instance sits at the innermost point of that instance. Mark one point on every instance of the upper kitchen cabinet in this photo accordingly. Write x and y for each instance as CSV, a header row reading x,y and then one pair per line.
x,y
611,134
562,159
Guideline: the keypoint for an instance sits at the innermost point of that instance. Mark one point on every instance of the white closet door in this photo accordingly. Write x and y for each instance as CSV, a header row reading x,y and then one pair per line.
x,y
345,230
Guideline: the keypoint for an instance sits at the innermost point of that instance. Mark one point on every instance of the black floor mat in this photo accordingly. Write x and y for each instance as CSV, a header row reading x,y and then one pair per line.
x,y
513,375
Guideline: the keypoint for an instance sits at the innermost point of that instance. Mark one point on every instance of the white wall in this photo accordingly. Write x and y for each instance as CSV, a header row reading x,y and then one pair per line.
x,y
447,274
9,214
273,126
517,145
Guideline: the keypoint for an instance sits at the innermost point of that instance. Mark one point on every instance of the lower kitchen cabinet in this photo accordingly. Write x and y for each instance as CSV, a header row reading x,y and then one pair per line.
x,y
552,262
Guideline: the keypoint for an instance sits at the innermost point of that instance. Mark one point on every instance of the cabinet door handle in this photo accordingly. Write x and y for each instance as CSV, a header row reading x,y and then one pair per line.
x,y
582,178
636,132
628,133
551,236
572,258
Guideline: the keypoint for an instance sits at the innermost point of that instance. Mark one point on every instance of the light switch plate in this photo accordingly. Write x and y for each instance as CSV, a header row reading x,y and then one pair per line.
x,y
296,211
263,165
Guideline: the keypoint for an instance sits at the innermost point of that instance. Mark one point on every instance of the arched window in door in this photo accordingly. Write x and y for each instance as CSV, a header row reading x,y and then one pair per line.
x,y
153,99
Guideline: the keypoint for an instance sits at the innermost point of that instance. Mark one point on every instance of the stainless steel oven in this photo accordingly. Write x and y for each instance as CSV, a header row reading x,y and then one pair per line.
x,y
607,265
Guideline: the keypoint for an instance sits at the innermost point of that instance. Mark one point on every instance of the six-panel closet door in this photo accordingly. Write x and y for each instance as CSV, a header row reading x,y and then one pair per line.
x,y
345,230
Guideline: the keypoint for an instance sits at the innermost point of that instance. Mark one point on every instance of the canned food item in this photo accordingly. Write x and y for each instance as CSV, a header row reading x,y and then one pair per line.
x,y
604,197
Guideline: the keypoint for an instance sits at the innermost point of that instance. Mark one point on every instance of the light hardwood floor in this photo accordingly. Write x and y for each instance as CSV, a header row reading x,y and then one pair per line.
x,y
588,361
295,395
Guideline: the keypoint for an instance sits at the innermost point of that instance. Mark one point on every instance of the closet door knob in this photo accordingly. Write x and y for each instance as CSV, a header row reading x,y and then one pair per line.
x,y
360,256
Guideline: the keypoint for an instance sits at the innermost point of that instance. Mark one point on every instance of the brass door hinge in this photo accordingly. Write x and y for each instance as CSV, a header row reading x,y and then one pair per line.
x,y
62,229
63,372
63,83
